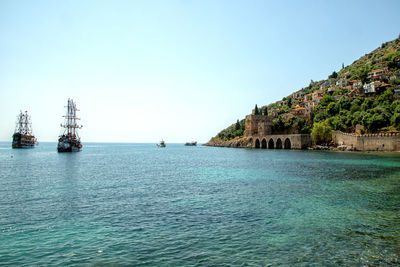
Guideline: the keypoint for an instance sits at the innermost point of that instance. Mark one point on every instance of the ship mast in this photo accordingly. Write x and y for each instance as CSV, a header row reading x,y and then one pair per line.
x,y
23,124
71,120
20,123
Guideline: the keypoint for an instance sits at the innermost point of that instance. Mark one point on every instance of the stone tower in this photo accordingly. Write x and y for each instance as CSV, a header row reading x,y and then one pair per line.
x,y
257,125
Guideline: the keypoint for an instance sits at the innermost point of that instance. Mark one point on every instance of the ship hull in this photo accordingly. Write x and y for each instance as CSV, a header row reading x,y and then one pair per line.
x,y
69,149
68,145
191,144
23,141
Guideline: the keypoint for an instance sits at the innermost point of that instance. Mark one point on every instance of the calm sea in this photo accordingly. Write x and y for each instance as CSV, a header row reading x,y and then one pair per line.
x,y
137,204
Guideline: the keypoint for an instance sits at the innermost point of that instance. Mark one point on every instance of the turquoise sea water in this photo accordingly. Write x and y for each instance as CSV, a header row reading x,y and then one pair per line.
x,y
136,204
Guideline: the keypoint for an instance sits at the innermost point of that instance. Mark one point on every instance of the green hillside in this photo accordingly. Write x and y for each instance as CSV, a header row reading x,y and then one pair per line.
x,y
363,97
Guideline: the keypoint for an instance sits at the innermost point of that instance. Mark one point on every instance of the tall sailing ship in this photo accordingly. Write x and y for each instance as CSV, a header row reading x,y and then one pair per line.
x,y
23,136
69,141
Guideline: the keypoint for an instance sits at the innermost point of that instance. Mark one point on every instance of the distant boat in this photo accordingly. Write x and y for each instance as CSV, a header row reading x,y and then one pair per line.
x,y
193,143
161,143
69,141
23,136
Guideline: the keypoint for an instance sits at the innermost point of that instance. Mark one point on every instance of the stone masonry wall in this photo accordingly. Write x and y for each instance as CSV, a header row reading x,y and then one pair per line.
x,y
297,141
257,124
368,142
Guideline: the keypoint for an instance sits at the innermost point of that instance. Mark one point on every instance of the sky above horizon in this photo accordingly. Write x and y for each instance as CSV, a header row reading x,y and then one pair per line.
x,y
142,71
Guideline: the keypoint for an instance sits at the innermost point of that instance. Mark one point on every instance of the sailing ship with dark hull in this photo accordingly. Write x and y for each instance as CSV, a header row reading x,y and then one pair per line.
x,y
70,141
193,143
23,136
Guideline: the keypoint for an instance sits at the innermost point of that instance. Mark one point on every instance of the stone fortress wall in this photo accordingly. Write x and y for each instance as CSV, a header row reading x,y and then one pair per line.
x,y
258,132
368,142
281,141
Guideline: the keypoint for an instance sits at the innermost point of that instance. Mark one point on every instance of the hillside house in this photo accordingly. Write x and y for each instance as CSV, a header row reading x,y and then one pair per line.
x,y
301,103
307,104
326,84
307,97
316,100
356,84
342,82
298,112
302,112
323,85
378,73
299,93
281,103
375,87
317,94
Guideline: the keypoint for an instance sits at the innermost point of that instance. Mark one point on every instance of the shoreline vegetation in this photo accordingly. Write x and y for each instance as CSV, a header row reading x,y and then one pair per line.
x,y
361,100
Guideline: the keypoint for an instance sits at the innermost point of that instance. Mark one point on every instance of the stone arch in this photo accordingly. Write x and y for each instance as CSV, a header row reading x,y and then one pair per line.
x,y
257,144
287,144
271,144
264,143
278,143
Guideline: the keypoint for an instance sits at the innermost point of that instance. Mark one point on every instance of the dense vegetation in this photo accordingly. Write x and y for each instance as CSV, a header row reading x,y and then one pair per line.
x,y
321,133
292,125
236,129
375,114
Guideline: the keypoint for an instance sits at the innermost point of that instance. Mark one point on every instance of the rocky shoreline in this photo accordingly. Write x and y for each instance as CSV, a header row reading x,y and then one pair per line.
x,y
236,142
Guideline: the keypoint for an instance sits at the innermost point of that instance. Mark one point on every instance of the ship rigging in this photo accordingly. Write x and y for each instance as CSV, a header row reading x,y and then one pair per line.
x,y
70,141
23,135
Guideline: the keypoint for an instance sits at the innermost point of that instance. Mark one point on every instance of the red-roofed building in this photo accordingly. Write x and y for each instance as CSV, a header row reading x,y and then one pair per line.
x,y
378,73
298,111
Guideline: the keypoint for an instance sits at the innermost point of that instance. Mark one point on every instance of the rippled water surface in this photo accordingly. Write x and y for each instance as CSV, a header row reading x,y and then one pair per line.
x,y
136,204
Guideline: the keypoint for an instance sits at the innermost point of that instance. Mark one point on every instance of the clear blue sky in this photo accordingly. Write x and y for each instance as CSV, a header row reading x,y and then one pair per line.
x,y
141,71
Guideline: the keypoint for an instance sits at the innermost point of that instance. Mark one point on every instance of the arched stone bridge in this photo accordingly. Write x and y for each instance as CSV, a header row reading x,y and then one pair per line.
x,y
281,141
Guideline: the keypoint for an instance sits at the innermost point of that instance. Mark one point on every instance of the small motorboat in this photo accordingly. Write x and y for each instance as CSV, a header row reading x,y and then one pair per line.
x,y
161,143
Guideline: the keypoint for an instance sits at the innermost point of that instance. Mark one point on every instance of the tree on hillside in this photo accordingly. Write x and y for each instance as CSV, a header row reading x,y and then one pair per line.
x,y
361,73
265,111
256,111
395,120
278,125
237,126
333,75
333,108
290,102
321,133
373,122
326,99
